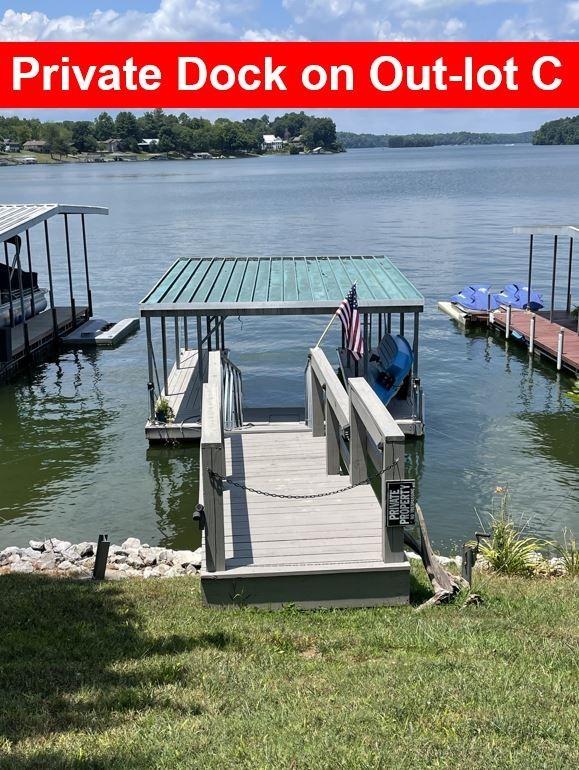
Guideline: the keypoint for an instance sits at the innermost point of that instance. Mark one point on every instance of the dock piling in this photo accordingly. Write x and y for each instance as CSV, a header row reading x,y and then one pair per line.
x,y
560,343
532,326
508,324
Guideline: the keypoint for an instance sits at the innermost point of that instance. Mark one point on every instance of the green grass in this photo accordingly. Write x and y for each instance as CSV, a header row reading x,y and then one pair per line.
x,y
137,675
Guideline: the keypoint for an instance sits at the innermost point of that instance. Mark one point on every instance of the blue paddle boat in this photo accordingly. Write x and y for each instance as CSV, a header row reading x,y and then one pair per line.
x,y
518,297
389,365
476,297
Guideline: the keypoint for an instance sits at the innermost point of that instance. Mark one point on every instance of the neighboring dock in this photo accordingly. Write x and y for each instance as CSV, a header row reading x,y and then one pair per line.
x,y
552,333
31,333
551,340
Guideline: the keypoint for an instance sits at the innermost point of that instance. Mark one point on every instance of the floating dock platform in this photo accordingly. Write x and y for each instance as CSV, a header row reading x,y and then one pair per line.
x,y
100,333
464,317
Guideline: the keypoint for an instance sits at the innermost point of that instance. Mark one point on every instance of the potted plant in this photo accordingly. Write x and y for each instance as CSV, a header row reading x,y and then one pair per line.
x,y
163,410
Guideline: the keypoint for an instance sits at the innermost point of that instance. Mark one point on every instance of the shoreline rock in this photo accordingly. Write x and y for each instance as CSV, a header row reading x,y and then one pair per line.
x,y
130,559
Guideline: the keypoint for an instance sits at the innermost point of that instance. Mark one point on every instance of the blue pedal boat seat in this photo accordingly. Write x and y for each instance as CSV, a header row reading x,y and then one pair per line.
x,y
475,296
389,365
517,296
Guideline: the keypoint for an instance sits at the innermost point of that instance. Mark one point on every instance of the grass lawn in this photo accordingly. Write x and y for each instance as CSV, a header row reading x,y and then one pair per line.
x,y
137,674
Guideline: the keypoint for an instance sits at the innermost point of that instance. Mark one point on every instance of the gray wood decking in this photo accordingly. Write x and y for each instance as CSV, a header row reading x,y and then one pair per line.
x,y
316,552
184,397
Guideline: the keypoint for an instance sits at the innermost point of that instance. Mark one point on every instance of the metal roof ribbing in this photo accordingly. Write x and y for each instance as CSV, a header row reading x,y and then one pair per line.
x,y
15,218
276,284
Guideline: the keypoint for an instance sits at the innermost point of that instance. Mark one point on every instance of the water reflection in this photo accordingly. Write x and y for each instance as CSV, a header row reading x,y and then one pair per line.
x,y
49,430
175,473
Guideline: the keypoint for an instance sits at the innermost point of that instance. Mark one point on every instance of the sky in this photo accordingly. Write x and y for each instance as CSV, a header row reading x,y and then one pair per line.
x,y
380,20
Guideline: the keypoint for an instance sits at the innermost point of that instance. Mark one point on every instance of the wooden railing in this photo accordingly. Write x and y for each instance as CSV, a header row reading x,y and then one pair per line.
x,y
361,435
212,456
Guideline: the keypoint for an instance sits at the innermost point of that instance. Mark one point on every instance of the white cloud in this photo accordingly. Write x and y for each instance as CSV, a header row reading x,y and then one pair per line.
x,y
523,29
173,20
268,35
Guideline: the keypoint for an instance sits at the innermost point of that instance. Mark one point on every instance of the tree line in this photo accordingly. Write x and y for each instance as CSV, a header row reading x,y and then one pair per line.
x,y
351,140
175,133
561,131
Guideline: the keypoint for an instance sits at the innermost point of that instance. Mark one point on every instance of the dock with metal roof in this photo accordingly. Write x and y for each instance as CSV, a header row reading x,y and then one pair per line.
x,y
29,331
286,505
192,301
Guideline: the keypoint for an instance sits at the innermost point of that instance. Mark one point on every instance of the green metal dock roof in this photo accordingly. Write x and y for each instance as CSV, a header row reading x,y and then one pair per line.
x,y
279,285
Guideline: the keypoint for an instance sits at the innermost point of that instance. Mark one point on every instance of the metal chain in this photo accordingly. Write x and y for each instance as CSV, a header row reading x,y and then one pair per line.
x,y
215,475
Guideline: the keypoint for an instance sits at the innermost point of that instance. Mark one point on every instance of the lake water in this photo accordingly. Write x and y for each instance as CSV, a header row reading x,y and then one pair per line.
x,y
73,458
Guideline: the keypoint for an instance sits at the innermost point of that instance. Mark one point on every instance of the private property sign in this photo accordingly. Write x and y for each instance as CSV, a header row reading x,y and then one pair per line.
x,y
282,75
400,507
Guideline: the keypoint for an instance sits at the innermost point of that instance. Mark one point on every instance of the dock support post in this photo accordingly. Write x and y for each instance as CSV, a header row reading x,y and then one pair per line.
x,y
366,351
17,245
379,327
389,323
164,349
560,343
50,282
332,441
532,334
392,537
208,319
358,447
508,322
69,267
151,383
86,271
177,344
10,301
222,332
200,351
402,324
29,255
530,270
318,396
553,278
185,332
415,345
569,272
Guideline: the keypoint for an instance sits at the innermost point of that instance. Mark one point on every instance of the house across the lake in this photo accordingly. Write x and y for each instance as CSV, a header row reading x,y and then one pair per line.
x,y
148,144
272,143
9,146
111,145
36,145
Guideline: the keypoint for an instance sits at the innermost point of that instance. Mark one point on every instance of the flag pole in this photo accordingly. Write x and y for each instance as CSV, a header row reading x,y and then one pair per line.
x,y
326,330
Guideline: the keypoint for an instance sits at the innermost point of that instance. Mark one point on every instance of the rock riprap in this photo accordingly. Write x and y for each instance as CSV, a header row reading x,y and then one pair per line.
x,y
130,559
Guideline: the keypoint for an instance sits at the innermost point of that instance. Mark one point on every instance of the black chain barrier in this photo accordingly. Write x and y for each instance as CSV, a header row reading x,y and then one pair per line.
x,y
368,480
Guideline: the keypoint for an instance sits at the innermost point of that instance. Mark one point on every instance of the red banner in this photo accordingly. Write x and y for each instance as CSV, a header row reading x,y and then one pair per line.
x,y
289,75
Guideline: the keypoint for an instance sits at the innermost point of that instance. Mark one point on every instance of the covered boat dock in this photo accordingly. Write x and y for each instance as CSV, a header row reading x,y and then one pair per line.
x,y
286,504
187,310
35,321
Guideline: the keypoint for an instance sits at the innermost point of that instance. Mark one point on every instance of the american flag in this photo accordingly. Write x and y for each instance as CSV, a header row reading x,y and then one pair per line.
x,y
350,318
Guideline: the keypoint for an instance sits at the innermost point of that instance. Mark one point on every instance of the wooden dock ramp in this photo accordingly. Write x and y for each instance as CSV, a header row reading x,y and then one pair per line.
x,y
298,544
